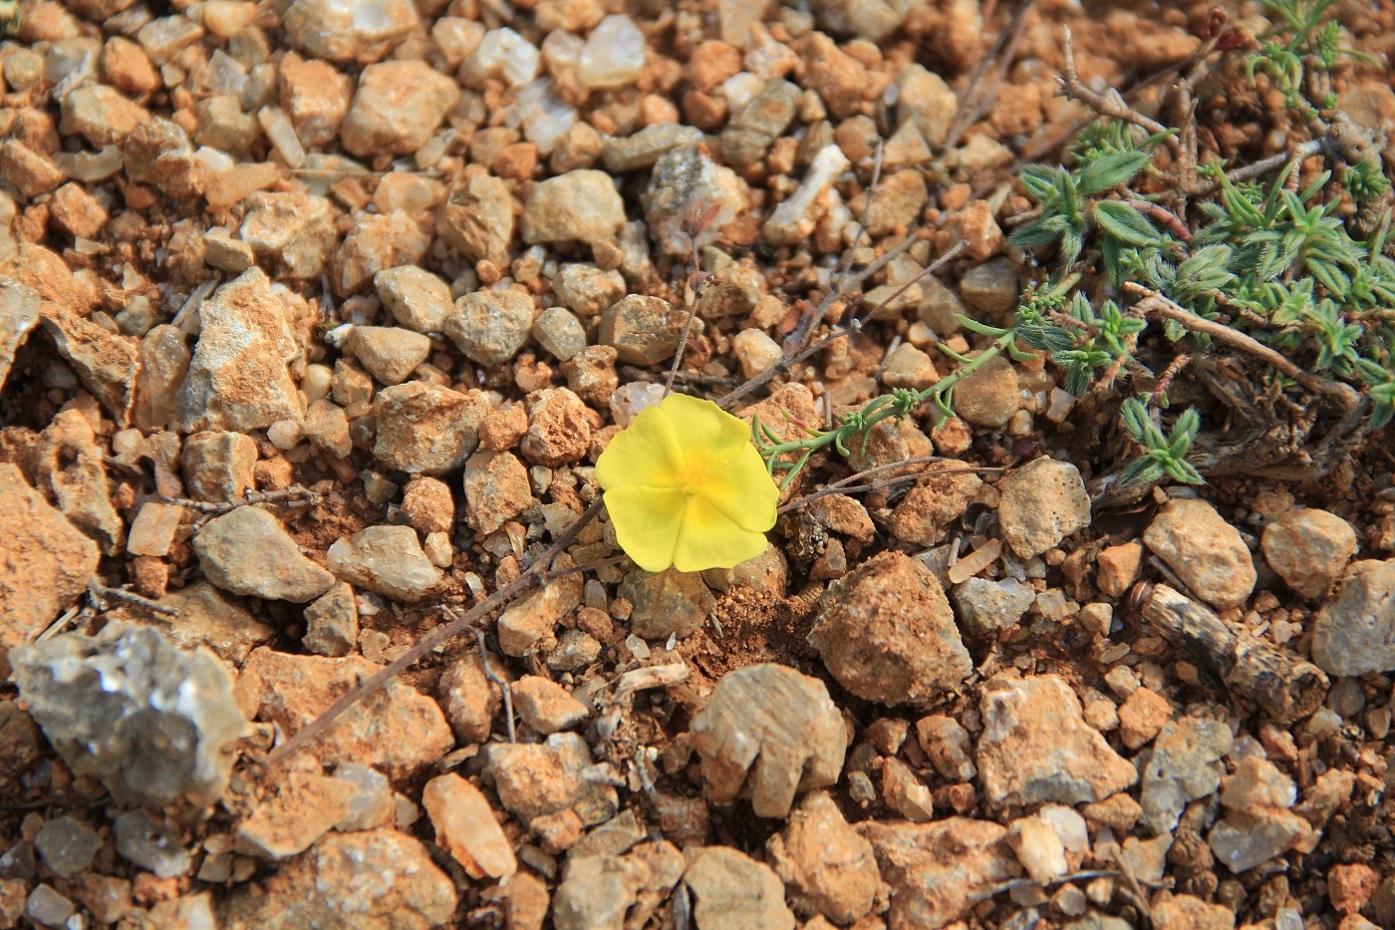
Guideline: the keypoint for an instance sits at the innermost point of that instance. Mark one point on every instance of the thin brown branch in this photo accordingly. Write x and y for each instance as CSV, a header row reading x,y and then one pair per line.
x,y
1110,104
979,96
858,480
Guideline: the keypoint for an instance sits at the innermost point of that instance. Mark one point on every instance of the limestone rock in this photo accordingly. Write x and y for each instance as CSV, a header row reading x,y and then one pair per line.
x,y
248,551
687,175
1309,548
830,868
491,326
105,362
580,206
427,429
1354,633
477,219
239,379
466,828
377,242
1186,766
388,353
734,892
1042,503
19,314
144,840
287,823
1205,551
71,467
293,232
667,603
642,330
416,298
496,490
349,30
771,731
887,633
153,723
537,779
386,560
1036,746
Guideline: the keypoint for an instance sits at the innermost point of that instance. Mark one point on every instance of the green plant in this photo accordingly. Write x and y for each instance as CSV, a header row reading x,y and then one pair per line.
x,y
1162,455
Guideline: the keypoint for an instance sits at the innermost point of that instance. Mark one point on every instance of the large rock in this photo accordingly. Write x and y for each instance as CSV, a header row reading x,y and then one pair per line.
x,y
371,880
239,378
773,732
19,314
1036,746
45,561
830,868
1355,632
1309,548
1186,766
349,30
72,468
1042,503
735,892
425,428
151,722
580,206
248,551
887,633
386,560
1205,551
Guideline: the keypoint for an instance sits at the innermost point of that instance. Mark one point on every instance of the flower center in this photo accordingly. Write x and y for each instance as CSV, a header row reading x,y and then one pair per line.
x,y
691,479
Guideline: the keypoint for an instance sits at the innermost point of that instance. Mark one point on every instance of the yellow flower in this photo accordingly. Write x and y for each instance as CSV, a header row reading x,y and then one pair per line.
x,y
685,487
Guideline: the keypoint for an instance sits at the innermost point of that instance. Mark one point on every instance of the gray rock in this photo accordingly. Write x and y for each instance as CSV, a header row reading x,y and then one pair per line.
x,y
167,36
595,893
46,562
147,842
1245,840
640,150
579,206
559,333
48,908
416,298
239,379
988,606
681,178
667,603
388,353
158,152
735,892
19,314
153,723
769,732
642,330
427,429
760,122
332,622
342,30
248,551
1099,922
1204,550
342,884
386,560
1036,746
989,396
1186,766
67,846
1042,503
371,801
291,231
1309,548
231,255
1354,634
477,219
586,289
992,286
491,326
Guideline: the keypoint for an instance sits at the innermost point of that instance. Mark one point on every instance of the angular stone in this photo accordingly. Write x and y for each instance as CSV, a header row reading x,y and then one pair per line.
x,y
526,627
537,779
158,152
685,176
386,560
1246,840
580,206
218,465
491,326
1036,746
289,822
388,353
376,242
477,219
1186,766
106,362
45,561
293,232
559,333
19,314
466,828
642,330
332,622
887,633
545,705
1354,634
667,603
206,618
427,429
416,298
71,468
586,289
147,842
770,732
470,699
315,96
1309,548
989,396
988,606
1042,503
734,892
354,881
830,869
248,551
291,691
346,30
151,722
496,490
239,379
396,108
67,846
595,893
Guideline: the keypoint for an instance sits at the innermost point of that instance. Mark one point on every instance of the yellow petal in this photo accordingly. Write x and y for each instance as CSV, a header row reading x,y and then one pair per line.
x,y
646,454
710,436
647,522
744,493
711,539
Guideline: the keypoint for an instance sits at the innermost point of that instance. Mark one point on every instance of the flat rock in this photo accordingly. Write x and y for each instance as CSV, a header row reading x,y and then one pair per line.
x,y
72,468
396,108
667,603
545,705
770,732
1354,633
927,512
67,845
596,892
386,560
642,330
887,633
579,206
1042,503
470,699
285,824
248,551
1309,548
239,379
395,729
377,242
19,314
496,490
427,429
732,891
988,606
466,828
1204,550
349,30
143,839
105,362
1036,746
369,880
989,396
388,353
207,617
1186,766
586,289
291,231
935,870
477,219
1244,840
830,869
217,465
150,721
416,298
641,149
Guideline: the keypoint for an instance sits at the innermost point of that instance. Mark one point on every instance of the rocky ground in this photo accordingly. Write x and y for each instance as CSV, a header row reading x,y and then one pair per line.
x,y
314,317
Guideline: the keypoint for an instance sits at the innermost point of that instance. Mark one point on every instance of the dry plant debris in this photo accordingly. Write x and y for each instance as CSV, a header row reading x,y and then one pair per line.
x,y
328,330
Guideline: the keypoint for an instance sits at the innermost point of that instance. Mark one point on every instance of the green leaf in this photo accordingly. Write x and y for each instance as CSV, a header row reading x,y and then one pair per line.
x,y
1126,223
1145,469
1111,170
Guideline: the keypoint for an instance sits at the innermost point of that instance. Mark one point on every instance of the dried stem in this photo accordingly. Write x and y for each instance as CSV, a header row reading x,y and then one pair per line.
x,y
493,676
980,96
858,480
1110,104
